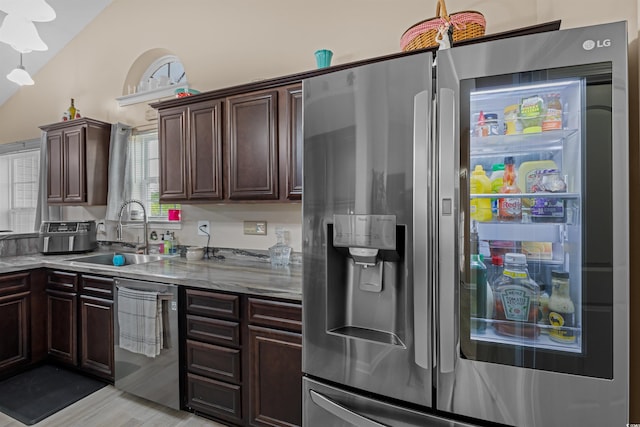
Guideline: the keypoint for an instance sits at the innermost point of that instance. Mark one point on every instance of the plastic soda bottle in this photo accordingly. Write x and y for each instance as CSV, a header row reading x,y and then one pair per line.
x,y
480,184
509,208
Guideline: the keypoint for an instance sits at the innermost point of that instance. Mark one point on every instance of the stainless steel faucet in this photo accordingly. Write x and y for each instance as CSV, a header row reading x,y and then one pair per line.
x,y
144,217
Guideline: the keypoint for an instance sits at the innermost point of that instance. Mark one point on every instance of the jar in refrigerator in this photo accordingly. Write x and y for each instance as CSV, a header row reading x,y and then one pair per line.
x,y
516,298
532,114
553,114
561,309
509,208
511,119
491,121
480,184
480,127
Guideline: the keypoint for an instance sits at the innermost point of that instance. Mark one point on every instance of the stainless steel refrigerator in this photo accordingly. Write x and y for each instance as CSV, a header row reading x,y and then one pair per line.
x,y
465,236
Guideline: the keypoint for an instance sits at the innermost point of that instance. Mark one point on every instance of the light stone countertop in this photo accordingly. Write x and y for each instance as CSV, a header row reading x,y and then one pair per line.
x,y
233,274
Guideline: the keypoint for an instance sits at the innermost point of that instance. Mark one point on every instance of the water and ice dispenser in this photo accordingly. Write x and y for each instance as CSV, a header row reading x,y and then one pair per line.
x,y
366,278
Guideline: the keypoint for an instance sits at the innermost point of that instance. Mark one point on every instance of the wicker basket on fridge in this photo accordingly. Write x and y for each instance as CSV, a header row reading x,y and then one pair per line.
x,y
467,24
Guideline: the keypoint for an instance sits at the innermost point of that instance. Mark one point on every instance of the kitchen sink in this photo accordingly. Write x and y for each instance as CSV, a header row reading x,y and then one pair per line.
x,y
129,259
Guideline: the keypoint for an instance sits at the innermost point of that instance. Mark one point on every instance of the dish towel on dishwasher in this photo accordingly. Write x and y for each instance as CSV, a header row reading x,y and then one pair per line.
x,y
140,321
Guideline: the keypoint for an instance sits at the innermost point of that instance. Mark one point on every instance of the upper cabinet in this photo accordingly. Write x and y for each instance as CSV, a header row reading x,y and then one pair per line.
x,y
242,146
191,152
77,162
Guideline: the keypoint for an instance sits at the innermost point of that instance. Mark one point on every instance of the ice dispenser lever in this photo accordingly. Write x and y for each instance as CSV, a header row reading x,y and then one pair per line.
x,y
370,273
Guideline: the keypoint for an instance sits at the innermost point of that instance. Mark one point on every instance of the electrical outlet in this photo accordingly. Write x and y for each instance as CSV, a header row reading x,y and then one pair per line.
x,y
203,225
255,228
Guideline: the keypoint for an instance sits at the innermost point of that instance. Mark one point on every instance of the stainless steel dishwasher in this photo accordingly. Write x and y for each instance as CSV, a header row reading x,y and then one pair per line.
x,y
155,377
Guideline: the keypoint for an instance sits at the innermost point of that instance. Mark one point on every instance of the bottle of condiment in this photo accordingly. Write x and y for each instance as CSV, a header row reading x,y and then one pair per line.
x,y
496,271
480,184
543,313
509,208
478,294
553,115
516,298
561,309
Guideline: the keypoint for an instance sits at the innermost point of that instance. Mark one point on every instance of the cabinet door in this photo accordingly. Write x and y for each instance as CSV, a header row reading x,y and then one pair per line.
x,y
173,149
55,167
96,336
291,138
205,151
275,377
14,339
252,146
61,326
74,165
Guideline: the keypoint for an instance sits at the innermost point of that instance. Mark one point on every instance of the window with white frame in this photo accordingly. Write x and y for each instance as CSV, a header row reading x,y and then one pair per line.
x,y
19,173
144,170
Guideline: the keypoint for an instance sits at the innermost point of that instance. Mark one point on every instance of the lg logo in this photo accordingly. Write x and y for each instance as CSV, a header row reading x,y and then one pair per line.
x,y
590,44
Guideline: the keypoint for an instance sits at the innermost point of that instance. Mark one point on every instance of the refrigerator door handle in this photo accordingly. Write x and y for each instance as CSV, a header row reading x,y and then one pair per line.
x,y
342,412
421,260
446,236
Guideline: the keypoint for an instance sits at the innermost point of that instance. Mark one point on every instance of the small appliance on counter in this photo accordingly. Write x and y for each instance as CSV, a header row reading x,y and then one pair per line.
x,y
60,237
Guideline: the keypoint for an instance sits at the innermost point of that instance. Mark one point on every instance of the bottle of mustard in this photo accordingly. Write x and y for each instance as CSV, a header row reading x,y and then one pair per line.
x,y
479,185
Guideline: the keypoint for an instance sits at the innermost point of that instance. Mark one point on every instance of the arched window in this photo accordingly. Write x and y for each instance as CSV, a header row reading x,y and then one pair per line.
x,y
164,72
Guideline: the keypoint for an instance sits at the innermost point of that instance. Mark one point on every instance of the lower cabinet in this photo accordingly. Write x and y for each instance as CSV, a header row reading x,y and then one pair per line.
x,y
15,298
80,322
243,358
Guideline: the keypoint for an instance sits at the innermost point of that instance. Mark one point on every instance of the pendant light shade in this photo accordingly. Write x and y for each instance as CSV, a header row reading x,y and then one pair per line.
x,y
20,76
21,34
33,10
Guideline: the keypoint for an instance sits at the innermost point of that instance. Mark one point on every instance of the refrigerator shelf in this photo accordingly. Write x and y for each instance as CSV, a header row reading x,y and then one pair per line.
x,y
520,143
527,232
541,342
565,196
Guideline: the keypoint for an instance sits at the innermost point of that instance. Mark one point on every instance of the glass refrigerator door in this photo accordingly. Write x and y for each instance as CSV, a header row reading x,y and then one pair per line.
x,y
536,284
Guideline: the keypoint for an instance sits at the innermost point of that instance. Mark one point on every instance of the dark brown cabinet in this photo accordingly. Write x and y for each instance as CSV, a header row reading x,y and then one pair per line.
x,y
214,355
78,159
191,152
252,146
62,301
243,358
275,368
238,147
96,326
15,296
291,138
80,322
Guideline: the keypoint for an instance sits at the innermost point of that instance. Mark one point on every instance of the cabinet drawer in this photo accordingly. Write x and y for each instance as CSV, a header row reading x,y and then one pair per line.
x,y
214,361
276,314
62,281
14,283
213,331
213,304
97,286
214,398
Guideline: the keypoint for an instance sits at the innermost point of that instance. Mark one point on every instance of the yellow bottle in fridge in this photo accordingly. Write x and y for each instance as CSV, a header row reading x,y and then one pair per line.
x,y
480,184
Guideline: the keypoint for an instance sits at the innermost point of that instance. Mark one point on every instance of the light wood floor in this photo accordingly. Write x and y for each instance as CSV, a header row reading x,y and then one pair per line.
x,y
109,407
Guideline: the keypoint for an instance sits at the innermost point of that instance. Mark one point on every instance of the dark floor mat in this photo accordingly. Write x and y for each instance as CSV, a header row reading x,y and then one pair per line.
x,y
32,396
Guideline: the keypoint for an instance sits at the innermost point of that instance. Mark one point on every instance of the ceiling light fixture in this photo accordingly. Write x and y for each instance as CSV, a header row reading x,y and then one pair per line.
x,y
19,75
21,34
33,10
